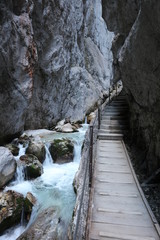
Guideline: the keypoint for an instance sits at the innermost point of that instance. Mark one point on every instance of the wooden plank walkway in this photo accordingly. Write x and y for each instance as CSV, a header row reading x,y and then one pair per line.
x,y
118,210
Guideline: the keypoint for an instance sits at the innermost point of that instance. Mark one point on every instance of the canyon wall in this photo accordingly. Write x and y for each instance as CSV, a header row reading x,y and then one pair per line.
x,y
136,50
56,62
55,59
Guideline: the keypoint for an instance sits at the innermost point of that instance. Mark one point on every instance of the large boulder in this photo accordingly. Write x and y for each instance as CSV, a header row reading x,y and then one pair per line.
x,y
11,206
62,150
66,127
7,166
37,149
33,167
48,225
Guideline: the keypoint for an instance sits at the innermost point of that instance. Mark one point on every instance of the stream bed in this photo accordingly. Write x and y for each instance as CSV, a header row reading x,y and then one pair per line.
x,y
54,187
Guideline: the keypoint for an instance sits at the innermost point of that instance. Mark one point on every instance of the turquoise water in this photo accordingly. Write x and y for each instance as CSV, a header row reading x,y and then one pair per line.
x,y
54,187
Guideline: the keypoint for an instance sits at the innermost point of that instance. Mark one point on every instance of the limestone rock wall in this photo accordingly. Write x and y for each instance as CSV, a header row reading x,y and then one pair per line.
x,y
18,55
136,61
55,61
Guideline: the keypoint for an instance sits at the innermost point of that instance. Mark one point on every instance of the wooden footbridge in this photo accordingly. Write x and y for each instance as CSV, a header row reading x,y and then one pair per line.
x,y
118,208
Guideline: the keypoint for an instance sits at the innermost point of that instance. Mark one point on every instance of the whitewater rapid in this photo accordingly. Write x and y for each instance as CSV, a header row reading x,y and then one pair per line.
x,y
54,187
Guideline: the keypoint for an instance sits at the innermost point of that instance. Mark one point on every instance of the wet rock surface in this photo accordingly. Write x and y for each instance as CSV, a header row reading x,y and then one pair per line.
x,y
11,206
62,151
30,198
32,166
7,166
47,226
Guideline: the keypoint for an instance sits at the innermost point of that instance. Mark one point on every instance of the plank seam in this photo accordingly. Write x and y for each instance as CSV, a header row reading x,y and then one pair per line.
x,y
119,211
126,237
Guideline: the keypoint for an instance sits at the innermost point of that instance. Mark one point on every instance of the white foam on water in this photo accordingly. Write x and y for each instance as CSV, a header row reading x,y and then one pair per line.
x,y
48,160
22,150
13,233
22,187
54,187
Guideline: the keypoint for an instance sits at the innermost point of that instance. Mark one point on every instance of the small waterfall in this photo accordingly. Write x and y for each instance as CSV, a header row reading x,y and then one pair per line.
x,y
22,217
48,160
20,171
22,150
85,120
33,216
20,174
77,151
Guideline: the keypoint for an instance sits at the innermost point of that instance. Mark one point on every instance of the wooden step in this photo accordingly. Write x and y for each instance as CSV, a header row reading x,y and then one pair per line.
x,y
114,122
111,112
120,108
108,117
112,127
122,232
111,131
110,136
124,236
116,104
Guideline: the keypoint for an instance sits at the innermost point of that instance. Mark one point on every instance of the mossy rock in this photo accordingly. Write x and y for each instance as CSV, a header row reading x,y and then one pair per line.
x,y
33,171
11,206
29,202
13,148
62,150
33,167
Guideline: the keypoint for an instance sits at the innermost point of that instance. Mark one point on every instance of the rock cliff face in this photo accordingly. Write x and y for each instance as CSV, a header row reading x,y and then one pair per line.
x,y
136,50
55,61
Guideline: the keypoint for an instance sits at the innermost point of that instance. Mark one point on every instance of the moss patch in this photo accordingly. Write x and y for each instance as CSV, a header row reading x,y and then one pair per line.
x,y
62,150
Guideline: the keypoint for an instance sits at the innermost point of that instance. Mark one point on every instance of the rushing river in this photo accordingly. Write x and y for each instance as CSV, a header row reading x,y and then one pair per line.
x,y
54,187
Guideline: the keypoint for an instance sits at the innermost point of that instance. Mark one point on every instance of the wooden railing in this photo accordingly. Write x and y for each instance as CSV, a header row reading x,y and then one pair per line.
x,y
89,164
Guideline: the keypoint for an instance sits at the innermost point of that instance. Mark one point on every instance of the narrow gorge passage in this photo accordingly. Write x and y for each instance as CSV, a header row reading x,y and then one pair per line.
x,y
60,61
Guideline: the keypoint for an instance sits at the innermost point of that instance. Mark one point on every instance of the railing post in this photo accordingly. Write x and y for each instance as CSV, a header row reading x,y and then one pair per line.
x,y
90,156
99,117
116,89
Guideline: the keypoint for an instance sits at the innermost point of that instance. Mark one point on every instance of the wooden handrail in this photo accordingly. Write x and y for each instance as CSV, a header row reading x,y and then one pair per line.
x,y
90,157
